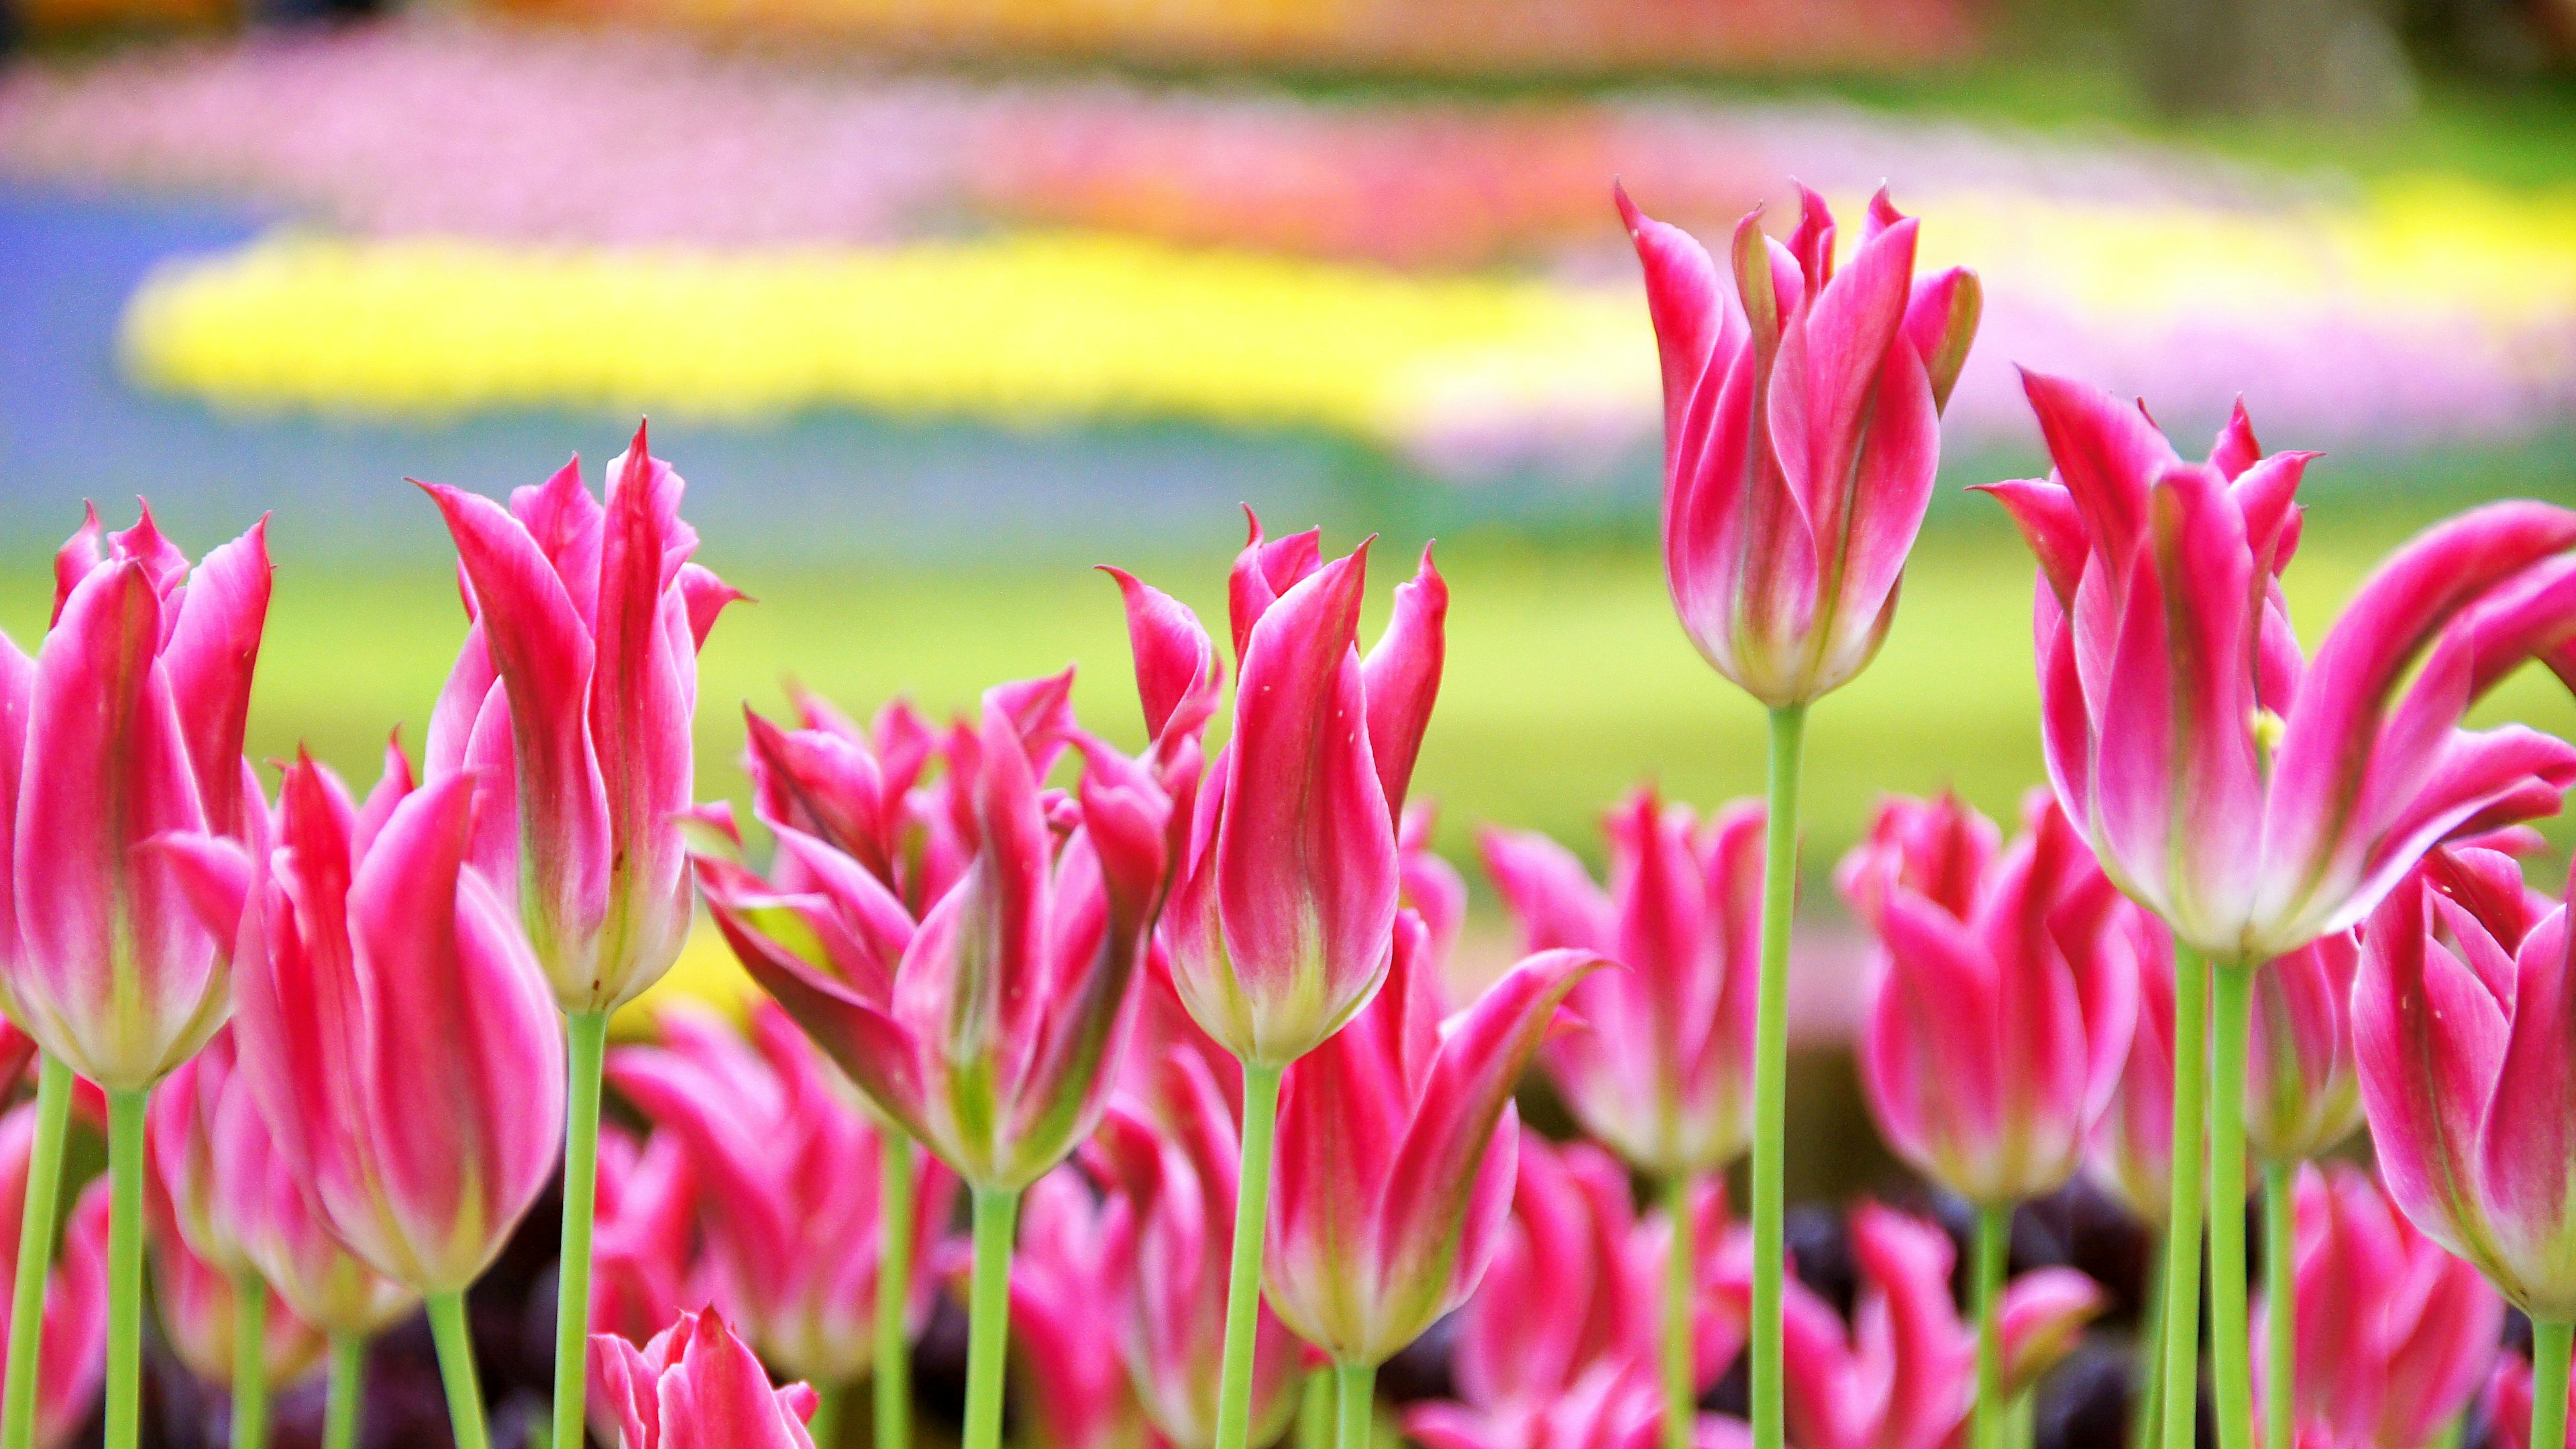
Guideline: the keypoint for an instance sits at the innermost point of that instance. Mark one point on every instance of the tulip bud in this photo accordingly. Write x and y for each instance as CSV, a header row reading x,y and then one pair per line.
x,y
694,1384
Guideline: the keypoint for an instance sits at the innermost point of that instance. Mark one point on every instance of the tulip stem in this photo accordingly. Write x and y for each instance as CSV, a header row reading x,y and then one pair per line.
x,y
2231,1340
125,1267
1243,1270
2147,1385
2280,1302
893,1366
2550,1343
250,1361
1315,1408
35,1251
586,1032
1356,1423
348,1391
2181,1326
1681,1293
456,1370
1994,1246
988,1314
824,1429
1771,1074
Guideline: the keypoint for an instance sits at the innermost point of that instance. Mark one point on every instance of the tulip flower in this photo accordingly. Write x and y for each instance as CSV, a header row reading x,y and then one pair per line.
x,y
126,724
572,697
1665,1074
1610,1406
1396,1142
72,1325
239,1229
2255,799
2395,1335
1902,1375
1169,1164
1074,1386
1801,436
2506,1404
993,1037
643,1263
2131,1151
396,1032
855,790
788,1162
695,1386
2460,1022
1287,882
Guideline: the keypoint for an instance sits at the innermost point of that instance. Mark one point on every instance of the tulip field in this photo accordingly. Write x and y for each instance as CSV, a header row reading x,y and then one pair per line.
x,y
821,731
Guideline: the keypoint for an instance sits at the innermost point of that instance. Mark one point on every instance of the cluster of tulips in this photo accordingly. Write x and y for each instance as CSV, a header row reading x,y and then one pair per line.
x,y
1176,1037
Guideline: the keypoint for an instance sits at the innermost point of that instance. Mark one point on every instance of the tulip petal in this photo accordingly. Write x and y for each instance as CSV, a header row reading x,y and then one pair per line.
x,y
1402,679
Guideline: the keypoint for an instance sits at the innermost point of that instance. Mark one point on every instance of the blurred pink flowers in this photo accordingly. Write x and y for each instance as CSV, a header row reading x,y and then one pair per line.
x,y
1075,1387
1801,434
198,1301
695,1386
643,1260
72,1356
1664,1073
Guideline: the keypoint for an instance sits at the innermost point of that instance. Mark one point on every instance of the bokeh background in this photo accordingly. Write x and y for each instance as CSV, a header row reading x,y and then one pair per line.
x,y
937,302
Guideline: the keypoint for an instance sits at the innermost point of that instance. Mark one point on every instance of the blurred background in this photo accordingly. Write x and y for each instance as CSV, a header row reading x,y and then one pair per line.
x,y
937,302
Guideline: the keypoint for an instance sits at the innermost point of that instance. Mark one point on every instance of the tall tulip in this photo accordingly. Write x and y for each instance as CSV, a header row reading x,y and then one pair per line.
x,y
2395,1335
126,724
1287,881
2461,1018
573,696
73,1322
1801,436
695,1386
1169,1165
993,1035
2256,799
788,1159
395,1030
1396,1142
1901,1375
1665,1072
1997,1022
1074,1385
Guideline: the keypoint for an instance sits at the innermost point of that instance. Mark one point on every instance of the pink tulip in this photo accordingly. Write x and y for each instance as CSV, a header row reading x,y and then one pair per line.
x,y
1074,1386
127,724
859,792
643,1268
1901,1376
695,1386
1169,1163
1610,1406
1998,1022
1427,885
198,1315
396,1032
2255,799
1801,433
2506,1403
991,1032
2460,1021
72,1358
2395,1336
1664,1074
2302,1093
2131,1152
233,1199
1287,887
1396,1150
788,1162
572,698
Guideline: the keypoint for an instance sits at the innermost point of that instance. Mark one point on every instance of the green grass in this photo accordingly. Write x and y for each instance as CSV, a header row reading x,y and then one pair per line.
x,y
1567,683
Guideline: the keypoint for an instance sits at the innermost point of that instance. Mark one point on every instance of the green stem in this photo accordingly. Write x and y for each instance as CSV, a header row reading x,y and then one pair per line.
x,y
893,1357
1243,1272
2021,1431
456,1370
35,1252
1994,1246
824,1429
988,1315
1771,1074
125,1267
2550,1343
348,1391
2146,1397
1315,1413
2280,1302
2231,1340
2181,1330
250,1361
1681,1294
1355,1425
587,1034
